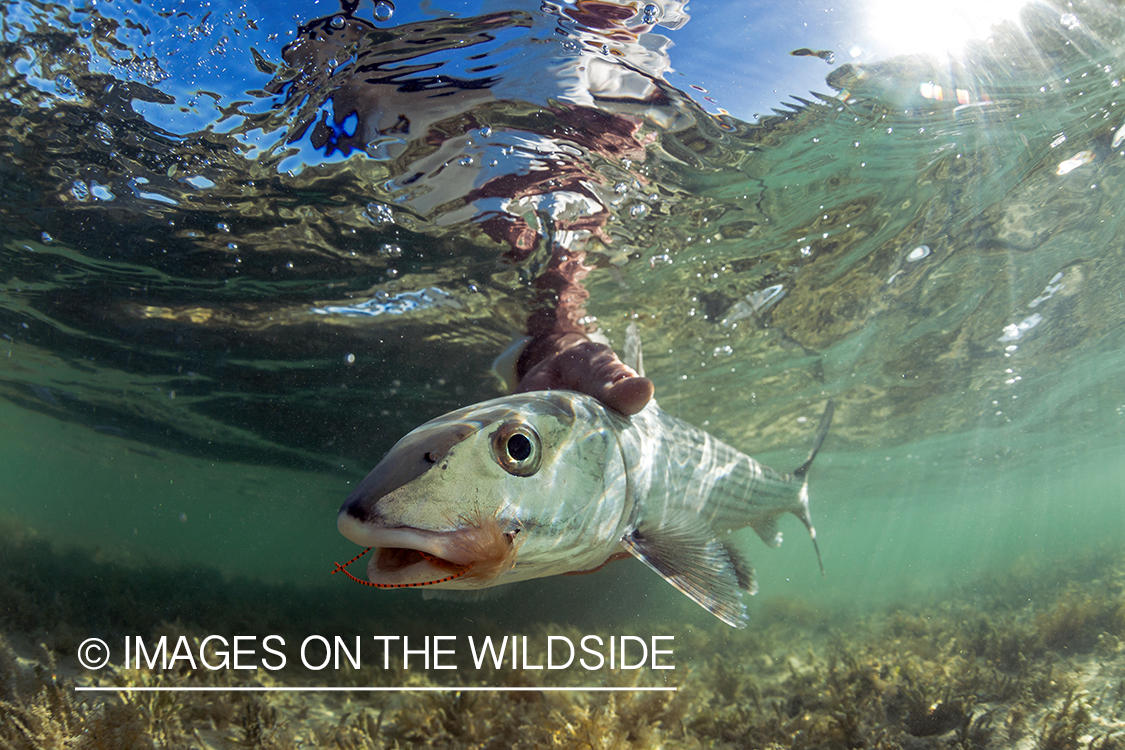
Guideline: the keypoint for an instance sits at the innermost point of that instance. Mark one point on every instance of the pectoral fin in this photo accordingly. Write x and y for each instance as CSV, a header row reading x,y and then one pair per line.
x,y
684,550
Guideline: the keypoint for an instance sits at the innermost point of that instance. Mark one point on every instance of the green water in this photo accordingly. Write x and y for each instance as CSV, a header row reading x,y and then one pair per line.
x,y
222,300
893,523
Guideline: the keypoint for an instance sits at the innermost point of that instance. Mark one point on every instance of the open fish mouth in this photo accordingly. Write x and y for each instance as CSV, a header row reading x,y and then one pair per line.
x,y
480,550
405,556
393,559
401,566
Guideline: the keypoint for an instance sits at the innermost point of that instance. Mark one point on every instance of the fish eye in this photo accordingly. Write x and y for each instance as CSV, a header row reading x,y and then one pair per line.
x,y
517,449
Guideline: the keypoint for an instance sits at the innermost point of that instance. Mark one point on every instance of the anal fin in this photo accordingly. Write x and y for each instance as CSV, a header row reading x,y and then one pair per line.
x,y
684,550
463,596
767,529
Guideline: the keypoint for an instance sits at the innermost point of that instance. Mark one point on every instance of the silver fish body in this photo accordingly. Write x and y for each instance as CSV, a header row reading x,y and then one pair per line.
x,y
552,482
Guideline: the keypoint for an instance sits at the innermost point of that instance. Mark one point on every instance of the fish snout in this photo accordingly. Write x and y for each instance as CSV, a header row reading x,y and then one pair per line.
x,y
349,523
354,510
362,506
414,455
354,523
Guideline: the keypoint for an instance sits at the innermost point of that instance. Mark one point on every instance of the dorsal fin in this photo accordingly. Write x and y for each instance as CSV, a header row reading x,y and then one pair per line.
x,y
504,366
631,351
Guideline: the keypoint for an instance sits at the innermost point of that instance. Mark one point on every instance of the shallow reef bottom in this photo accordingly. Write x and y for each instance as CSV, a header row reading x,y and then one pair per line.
x,y
1031,657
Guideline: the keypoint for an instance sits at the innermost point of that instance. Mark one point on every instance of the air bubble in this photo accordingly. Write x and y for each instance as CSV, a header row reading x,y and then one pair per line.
x,y
65,85
390,251
465,161
338,22
384,10
485,132
380,213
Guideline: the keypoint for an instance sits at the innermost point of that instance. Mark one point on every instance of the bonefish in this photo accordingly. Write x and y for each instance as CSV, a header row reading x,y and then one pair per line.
x,y
552,482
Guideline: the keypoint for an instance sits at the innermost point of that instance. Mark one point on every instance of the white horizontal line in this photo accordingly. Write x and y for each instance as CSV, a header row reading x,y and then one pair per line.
x,y
429,689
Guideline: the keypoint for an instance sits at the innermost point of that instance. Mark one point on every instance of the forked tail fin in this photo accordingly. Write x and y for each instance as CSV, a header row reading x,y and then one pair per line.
x,y
801,472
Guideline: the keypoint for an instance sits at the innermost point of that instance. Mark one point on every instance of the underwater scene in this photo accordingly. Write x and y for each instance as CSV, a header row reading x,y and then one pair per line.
x,y
245,248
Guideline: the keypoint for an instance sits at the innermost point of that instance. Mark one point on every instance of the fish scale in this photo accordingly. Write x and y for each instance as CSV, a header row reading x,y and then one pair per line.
x,y
691,469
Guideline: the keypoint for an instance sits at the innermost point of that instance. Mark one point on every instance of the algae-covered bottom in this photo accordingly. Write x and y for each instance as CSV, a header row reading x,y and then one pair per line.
x,y
1033,657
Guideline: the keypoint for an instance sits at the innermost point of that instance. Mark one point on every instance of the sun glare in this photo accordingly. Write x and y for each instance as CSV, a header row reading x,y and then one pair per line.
x,y
905,26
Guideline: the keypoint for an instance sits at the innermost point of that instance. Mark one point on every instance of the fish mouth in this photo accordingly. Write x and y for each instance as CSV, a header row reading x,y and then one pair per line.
x,y
410,567
406,556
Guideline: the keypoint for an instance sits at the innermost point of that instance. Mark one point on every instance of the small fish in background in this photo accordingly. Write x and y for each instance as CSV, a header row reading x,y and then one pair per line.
x,y
552,482
824,54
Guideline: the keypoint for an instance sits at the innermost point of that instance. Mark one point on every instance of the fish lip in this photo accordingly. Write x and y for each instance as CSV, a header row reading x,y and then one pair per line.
x,y
389,566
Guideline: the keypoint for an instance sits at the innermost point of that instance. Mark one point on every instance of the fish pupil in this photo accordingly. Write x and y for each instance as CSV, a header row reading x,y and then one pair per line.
x,y
519,447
